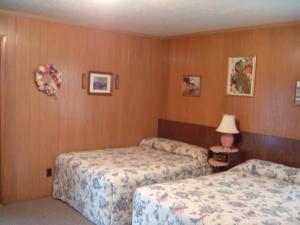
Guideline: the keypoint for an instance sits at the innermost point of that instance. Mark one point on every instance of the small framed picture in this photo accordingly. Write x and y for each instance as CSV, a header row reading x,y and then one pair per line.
x,y
297,98
241,76
100,83
190,85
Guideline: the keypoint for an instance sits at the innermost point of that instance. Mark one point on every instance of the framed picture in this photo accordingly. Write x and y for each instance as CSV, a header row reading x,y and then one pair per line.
x,y
190,85
100,83
241,76
297,99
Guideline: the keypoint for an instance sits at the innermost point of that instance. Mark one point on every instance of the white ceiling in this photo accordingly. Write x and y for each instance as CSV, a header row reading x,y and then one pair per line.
x,y
162,17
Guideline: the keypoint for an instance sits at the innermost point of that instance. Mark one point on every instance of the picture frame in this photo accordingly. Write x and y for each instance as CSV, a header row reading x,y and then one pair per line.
x,y
297,96
191,85
100,83
241,75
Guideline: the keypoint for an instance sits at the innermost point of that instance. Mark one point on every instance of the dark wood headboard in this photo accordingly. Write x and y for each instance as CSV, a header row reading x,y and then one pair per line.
x,y
275,149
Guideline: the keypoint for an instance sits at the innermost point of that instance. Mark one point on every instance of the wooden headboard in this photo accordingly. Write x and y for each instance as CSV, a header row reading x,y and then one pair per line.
x,y
275,149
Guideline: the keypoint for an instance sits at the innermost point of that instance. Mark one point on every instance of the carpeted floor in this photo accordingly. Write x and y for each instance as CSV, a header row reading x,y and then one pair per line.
x,y
41,212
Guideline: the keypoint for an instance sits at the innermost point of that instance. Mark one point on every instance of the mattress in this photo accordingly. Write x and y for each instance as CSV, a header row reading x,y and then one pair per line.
x,y
100,184
254,193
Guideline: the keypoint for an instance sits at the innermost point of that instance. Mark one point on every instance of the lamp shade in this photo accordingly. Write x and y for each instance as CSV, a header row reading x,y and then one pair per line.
x,y
227,125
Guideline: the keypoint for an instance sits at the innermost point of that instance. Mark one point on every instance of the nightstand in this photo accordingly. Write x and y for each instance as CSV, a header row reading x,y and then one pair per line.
x,y
221,158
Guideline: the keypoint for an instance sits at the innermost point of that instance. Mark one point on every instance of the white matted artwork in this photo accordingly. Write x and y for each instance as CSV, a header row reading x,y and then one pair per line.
x,y
297,99
100,83
241,76
190,85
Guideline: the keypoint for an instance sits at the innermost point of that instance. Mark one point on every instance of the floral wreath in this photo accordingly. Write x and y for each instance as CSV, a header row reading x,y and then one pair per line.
x,y
48,79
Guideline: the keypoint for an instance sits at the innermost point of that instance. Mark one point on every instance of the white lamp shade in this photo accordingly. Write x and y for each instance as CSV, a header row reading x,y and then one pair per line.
x,y
227,125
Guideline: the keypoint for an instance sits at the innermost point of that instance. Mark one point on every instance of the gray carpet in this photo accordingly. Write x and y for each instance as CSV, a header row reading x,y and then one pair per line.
x,y
41,212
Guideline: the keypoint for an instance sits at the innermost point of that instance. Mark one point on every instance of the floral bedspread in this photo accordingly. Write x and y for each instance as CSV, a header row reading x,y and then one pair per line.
x,y
100,184
254,193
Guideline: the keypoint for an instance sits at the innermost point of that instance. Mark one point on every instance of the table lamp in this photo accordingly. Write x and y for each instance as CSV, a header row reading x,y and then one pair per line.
x,y
227,127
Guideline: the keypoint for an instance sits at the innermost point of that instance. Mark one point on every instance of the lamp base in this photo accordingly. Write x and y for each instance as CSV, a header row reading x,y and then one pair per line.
x,y
227,140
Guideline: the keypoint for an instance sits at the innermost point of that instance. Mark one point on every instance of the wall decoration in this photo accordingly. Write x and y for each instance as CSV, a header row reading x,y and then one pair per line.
x,y
100,83
241,76
83,81
48,79
190,85
117,83
297,99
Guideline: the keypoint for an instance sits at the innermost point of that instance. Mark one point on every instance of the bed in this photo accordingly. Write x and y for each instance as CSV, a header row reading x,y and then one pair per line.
x,y
256,192
100,184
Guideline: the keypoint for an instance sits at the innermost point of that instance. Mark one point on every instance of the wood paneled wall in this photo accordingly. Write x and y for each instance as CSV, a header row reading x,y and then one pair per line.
x,y
271,111
38,127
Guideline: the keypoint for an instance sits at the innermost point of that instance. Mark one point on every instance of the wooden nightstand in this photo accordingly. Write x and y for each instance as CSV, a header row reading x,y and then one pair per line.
x,y
221,158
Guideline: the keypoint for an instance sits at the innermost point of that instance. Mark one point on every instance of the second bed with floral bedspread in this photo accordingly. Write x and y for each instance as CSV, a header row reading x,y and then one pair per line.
x,y
254,193
100,184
